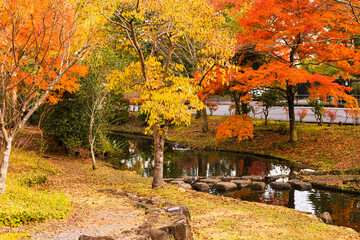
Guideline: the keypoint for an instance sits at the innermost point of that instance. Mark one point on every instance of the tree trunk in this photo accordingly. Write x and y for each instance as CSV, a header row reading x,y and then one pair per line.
x,y
5,164
266,118
159,141
92,137
93,156
205,125
198,114
237,103
290,98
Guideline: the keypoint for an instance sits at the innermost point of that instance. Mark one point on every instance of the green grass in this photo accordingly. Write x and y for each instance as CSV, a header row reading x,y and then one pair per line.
x,y
25,201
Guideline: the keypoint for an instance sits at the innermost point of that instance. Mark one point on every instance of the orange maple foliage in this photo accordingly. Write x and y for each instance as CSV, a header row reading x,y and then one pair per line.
x,y
35,35
214,82
292,35
239,126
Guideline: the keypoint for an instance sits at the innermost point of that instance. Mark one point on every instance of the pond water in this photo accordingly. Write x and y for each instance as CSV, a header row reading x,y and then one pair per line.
x,y
137,155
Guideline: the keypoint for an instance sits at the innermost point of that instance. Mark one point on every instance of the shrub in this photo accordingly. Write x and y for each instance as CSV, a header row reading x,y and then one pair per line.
x,y
33,179
116,109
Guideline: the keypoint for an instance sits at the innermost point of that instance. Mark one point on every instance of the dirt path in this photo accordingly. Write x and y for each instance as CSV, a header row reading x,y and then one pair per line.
x,y
95,212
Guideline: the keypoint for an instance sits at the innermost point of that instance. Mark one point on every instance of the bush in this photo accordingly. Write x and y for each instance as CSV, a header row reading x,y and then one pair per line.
x,y
23,205
33,179
116,109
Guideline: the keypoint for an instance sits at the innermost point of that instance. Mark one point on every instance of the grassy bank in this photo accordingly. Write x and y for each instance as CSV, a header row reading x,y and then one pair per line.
x,y
27,200
213,217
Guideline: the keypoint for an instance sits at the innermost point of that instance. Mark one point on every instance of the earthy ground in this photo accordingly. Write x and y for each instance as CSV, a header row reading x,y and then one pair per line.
x,y
94,213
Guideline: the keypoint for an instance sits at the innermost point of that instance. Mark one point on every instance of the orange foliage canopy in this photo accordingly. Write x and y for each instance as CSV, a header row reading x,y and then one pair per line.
x,y
214,82
239,126
36,36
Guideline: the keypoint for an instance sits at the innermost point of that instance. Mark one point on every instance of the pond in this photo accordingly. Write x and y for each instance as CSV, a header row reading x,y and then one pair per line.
x,y
137,155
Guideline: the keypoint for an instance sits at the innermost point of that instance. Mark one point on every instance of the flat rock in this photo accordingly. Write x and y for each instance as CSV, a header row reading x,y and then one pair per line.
x,y
301,185
260,186
201,186
241,183
177,182
253,178
224,178
210,181
276,177
190,179
225,186
280,186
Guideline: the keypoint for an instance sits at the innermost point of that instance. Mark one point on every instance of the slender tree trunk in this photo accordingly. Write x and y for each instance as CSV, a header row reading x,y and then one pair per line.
x,y
237,103
205,125
5,164
92,137
93,155
198,114
290,98
266,118
159,141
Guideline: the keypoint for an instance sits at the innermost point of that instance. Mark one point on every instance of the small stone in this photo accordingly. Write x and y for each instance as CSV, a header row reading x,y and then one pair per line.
x,y
257,186
326,218
225,186
242,183
280,186
201,186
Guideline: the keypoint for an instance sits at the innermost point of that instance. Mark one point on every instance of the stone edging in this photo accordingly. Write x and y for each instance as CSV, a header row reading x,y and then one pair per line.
x,y
164,221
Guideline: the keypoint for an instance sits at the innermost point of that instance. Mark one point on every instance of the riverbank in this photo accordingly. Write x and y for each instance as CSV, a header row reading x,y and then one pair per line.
x,y
334,149
99,208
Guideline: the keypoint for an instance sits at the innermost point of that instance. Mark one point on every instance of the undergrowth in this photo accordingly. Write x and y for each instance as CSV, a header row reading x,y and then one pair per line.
x,y
25,200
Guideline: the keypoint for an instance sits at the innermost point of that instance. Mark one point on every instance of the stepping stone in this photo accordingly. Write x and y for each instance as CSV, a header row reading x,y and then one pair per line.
x,y
242,183
260,186
225,186
280,186
201,186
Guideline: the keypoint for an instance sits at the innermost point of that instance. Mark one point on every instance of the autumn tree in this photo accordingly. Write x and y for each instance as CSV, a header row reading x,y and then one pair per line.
x,y
39,50
293,34
156,76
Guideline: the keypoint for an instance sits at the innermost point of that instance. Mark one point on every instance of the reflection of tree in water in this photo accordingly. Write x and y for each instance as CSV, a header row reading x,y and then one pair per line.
x,y
343,208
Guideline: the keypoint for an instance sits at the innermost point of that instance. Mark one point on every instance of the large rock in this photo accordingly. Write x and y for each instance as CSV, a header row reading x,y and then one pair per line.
x,y
225,186
326,218
201,186
210,181
242,183
253,178
280,186
259,186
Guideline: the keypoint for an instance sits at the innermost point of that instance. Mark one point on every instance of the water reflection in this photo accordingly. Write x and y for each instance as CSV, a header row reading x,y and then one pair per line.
x,y
138,156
